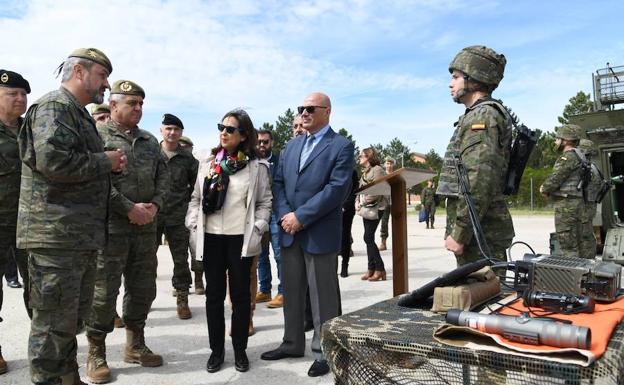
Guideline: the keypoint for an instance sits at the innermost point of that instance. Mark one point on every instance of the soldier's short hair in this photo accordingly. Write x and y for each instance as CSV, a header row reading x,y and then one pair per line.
x,y
266,132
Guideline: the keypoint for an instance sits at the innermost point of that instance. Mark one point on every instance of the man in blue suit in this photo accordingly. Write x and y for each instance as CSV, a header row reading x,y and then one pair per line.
x,y
312,181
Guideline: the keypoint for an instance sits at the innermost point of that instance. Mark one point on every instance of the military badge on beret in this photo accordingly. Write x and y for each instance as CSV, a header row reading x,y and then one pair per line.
x,y
125,87
13,80
95,55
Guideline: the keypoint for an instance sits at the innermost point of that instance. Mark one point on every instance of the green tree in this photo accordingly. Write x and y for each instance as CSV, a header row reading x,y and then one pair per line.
x,y
544,154
578,104
283,130
434,161
267,126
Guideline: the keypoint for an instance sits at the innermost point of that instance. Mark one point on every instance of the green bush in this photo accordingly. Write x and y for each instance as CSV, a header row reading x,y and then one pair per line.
x,y
523,199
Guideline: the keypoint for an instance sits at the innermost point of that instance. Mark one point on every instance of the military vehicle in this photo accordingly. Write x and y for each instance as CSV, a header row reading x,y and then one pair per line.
x,y
604,125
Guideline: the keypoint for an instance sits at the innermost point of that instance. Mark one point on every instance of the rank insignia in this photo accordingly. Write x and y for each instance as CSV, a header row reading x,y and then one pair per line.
x,y
4,78
477,126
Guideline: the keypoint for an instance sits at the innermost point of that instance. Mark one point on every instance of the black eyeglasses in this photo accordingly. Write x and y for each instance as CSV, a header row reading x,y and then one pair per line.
x,y
264,142
308,109
229,129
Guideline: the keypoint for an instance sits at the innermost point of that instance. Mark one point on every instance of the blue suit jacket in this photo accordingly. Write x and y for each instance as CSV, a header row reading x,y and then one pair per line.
x,y
316,193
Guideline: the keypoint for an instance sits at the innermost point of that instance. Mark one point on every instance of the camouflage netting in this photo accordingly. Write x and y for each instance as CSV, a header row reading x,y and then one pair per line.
x,y
386,344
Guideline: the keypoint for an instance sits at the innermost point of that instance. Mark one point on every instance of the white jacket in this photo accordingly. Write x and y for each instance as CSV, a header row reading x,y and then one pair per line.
x,y
258,214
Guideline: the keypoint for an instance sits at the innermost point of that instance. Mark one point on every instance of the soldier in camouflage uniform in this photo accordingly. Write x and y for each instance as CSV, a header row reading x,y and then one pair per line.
x,y
62,213
13,99
182,167
482,139
136,196
562,187
100,113
588,242
427,198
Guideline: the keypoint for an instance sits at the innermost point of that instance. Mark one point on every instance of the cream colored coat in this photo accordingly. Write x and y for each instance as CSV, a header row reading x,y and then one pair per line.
x,y
258,212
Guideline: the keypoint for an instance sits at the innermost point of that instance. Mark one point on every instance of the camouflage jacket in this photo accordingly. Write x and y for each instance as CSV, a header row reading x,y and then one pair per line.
x,y
565,177
65,177
427,196
10,175
144,180
482,139
182,168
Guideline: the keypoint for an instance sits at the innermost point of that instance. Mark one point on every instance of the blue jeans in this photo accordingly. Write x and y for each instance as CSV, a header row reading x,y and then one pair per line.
x,y
264,266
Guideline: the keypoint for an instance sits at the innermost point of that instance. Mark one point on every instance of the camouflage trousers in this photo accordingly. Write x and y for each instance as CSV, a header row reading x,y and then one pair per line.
x,y
178,239
133,255
497,226
588,238
569,217
196,266
383,233
431,209
8,250
61,291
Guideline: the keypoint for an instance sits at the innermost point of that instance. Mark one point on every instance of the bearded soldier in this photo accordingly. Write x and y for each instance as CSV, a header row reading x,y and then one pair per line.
x,y
482,140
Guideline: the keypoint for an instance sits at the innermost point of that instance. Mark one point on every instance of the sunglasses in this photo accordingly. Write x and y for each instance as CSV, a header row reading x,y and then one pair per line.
x,y
229,129
308,109
263,142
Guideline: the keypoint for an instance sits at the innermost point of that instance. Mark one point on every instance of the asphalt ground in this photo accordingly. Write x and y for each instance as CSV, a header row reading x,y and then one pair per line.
x,y
184,344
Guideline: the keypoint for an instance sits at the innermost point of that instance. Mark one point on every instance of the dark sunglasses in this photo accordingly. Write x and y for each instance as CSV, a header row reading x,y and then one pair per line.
x,y
308,109
229,129
263,141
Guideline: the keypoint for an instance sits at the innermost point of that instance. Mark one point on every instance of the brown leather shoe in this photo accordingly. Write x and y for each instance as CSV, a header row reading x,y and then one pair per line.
x,y
182,305
263,297
379,275
367,275
278,301
382,246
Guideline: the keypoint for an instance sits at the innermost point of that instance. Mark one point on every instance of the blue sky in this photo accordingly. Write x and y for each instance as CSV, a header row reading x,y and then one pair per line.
x,y
384,64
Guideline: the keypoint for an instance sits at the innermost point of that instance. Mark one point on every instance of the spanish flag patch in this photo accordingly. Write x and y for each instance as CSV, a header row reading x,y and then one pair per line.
x,y
477,126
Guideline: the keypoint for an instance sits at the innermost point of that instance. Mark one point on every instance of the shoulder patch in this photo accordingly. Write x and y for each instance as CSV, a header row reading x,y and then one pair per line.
x,y
477,126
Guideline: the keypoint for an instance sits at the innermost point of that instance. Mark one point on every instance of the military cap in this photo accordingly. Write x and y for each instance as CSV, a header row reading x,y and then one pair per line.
x,y
94,55
127,87
569,132
99,108
588,147
13,80
186,140
481,63
170,119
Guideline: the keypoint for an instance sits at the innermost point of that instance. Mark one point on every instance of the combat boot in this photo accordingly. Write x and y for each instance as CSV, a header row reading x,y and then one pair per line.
x,y
199,283
183,309
3,364
137,352
97,368
382,246
73,377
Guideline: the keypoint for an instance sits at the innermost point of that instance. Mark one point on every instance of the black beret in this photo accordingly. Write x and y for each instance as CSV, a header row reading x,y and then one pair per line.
x,y
170,119
13,80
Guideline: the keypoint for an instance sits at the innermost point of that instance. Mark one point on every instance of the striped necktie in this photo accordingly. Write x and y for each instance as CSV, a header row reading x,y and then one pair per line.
x,y
307,150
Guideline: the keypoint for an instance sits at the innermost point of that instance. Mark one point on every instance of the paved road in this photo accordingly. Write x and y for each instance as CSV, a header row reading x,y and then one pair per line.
x,y
184,344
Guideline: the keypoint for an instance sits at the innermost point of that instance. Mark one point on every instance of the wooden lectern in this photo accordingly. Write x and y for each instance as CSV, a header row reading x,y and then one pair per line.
x,y
396,185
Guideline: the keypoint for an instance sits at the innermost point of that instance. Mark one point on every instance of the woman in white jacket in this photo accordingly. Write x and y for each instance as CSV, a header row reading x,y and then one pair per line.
x,y
231,207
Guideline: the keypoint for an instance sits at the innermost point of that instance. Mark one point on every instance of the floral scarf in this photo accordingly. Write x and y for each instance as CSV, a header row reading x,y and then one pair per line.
x,y
215,186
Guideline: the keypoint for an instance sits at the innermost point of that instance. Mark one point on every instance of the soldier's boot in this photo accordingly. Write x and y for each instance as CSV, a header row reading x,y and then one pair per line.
x,y
432,223
199,283
97,368
73,377
137,352
382,246
183,309
118,321
3,364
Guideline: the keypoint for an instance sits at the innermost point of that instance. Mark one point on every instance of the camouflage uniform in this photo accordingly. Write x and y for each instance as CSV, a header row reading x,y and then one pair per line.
x,y
570,211
482,137
182,168
10,175
131,249
61,222
427,198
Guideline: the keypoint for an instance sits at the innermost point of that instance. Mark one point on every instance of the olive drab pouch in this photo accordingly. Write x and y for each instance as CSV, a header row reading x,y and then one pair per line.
x,y
479,287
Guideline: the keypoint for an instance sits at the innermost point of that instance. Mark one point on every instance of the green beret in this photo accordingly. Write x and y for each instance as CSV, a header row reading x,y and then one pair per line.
x,y
127,87
13,80
94,55
99,108
186,140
